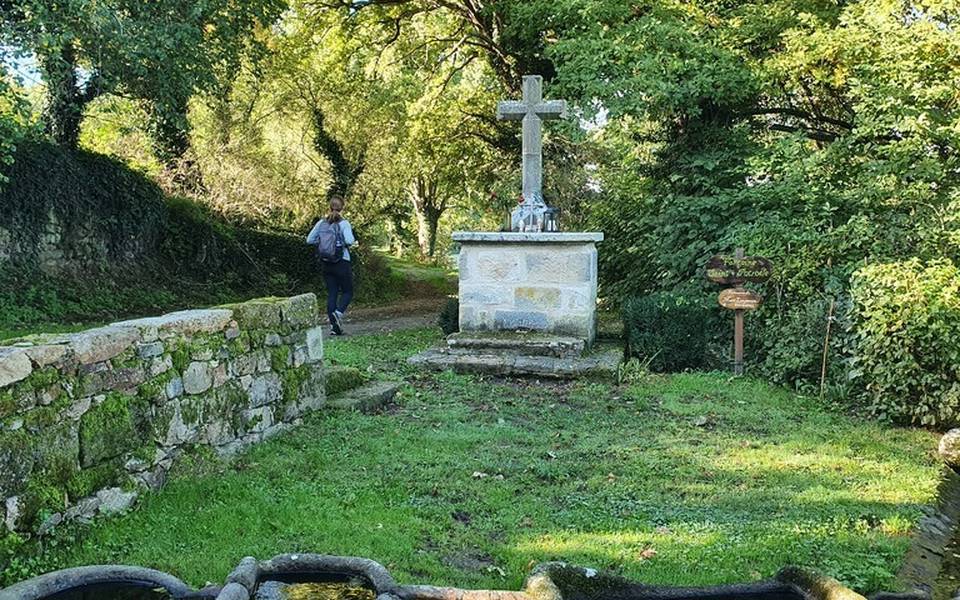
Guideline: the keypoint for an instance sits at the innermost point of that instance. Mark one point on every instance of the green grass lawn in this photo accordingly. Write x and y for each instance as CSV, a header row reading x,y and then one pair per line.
x,y
688,479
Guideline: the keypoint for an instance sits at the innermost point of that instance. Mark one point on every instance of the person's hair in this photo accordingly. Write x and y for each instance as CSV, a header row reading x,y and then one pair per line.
x,y
336,205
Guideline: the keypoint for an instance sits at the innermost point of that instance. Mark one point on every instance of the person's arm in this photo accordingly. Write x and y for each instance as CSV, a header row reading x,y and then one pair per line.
x,y
314,236
347,231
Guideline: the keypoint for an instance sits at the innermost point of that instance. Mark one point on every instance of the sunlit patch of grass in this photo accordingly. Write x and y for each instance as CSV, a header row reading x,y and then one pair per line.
x,y
683,480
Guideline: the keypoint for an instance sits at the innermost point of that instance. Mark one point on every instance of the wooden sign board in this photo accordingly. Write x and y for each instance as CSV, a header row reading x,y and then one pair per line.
x,y
730,270
739,299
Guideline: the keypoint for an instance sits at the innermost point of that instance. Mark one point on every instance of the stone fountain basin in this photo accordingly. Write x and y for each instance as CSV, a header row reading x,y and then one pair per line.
x,y
101,582
363,579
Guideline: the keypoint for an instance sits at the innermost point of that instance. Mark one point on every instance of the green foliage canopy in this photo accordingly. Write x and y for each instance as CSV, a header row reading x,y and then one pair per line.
x,y
158,52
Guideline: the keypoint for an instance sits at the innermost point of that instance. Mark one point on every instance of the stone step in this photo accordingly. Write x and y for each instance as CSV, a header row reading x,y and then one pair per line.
x,y
600,364
366,398
529,344
340,379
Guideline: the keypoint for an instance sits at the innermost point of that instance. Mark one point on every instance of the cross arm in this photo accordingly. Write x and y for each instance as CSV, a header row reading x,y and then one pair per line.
x,y
511,110
551,109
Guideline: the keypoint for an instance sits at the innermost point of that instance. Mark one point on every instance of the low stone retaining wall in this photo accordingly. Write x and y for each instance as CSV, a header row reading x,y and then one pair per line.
x,y
88,419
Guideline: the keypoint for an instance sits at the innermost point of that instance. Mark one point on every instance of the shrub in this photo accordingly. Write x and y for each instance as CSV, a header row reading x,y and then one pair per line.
x,y
907,334
788,341
669,331
375,282
449,320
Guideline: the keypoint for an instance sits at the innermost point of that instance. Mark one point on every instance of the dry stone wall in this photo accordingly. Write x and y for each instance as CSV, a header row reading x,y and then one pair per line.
x,y
87,420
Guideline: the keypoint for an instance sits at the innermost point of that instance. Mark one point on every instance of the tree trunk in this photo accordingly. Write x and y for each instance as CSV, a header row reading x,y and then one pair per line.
x,y
64,108
345,172
171,137
427,223
171,142
427,211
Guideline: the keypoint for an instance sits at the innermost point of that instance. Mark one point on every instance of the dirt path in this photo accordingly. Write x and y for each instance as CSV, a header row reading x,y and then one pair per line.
x,y
409,314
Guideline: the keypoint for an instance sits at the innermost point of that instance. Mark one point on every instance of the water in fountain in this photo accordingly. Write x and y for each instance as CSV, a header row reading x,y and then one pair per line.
x,y
113,591
277,590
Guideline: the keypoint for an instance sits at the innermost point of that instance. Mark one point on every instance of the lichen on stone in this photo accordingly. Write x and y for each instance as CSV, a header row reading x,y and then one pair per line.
x,y
292,379
280,358
88,481
180,354
155,390
239,345
127,359
113,428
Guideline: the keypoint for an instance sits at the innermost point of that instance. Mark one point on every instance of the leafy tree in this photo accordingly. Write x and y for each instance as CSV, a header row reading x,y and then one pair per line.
x,y
823,136
14,121
159,52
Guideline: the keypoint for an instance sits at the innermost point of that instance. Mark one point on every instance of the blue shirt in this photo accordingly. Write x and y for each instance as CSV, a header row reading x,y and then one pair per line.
x,y
345,230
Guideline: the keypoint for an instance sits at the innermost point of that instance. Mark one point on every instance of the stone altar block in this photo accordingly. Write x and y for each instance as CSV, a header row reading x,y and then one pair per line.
x,y
543,282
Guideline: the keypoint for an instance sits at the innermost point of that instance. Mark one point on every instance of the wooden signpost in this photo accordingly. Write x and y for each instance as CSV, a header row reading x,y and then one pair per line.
x,y
736,270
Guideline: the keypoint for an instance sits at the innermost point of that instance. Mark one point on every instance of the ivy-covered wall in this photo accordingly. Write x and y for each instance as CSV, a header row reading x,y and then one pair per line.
x,y
70,211
89,419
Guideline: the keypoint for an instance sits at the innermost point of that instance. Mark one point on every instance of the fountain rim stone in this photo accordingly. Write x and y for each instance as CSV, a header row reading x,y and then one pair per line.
x,y
306,564
56,582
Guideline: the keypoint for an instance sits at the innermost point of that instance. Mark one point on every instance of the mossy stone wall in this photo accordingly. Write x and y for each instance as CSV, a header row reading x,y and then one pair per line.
x,y
87,420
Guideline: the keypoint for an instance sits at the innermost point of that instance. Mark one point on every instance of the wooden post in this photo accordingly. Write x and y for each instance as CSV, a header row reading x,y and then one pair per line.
x,y
738,342
735,271
738,334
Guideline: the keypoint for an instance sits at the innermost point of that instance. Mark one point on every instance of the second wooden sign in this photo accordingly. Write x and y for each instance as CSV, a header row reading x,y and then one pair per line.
x,y
739,299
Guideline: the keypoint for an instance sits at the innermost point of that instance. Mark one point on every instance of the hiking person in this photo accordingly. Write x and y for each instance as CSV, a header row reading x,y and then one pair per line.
x,y
332,236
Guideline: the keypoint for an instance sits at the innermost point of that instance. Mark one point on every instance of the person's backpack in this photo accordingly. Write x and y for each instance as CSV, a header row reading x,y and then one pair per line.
x,y
330,243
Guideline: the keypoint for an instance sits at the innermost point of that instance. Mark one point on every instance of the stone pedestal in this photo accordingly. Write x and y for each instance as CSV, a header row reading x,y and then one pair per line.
x,y
543,282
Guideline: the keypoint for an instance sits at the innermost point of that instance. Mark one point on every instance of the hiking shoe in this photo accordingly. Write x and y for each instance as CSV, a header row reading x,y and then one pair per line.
x,y
338,321
335,328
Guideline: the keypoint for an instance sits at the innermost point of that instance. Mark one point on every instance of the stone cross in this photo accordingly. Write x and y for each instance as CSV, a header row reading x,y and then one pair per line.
x,y
532,110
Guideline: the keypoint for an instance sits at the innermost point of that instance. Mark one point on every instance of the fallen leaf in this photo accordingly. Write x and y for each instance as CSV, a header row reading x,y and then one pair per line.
x,y
701,421
480,475
648,554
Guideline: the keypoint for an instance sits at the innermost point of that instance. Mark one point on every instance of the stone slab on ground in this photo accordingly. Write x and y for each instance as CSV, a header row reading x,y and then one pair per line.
x,y
339,379
366,398
528,343
599,364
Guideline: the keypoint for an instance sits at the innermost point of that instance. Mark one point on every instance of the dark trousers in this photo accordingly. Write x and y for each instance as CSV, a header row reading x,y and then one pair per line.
x,y
338,277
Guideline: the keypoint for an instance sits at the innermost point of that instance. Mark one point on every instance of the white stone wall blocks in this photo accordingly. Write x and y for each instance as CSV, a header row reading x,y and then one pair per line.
x,y
529,281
